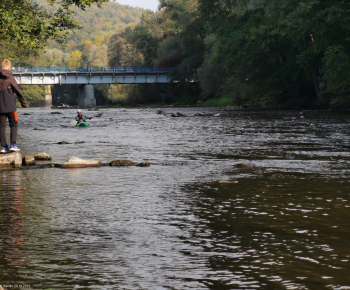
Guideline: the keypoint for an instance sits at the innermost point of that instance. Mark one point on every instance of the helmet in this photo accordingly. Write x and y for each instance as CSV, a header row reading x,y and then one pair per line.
x,y
79,111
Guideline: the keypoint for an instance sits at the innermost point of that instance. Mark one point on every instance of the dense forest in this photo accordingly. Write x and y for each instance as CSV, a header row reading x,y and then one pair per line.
x,y
286,53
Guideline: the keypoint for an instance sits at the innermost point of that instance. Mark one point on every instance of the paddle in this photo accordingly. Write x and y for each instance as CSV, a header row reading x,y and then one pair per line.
x,y
73,123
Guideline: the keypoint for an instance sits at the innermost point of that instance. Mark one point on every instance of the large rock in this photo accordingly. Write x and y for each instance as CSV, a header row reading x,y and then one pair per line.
x,y
28,161
42,156
11,160
75,162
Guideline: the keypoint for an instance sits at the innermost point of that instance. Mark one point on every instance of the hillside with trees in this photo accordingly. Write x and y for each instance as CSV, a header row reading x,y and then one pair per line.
x,y
269,53
69,33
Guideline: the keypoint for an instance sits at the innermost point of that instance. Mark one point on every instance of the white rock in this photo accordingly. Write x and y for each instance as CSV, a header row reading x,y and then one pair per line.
x,y
75,162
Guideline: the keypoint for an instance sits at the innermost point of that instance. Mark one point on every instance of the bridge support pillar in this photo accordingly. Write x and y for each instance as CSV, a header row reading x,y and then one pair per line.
x,y
86,96
48,98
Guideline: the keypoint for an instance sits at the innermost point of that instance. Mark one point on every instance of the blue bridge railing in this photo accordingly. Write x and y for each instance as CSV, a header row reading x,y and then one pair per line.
x,y
95,70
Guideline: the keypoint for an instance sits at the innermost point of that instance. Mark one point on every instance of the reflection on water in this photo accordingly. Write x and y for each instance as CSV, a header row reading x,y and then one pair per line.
x,y
283,225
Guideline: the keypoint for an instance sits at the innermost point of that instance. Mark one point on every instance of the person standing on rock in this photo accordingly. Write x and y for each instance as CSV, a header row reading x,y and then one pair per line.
x,y
81,118
9,87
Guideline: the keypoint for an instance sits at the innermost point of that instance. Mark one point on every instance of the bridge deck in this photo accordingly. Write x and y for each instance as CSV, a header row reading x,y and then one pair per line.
x,y
89,78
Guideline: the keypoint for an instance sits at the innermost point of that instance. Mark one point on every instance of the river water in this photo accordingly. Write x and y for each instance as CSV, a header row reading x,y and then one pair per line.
x,y
282,224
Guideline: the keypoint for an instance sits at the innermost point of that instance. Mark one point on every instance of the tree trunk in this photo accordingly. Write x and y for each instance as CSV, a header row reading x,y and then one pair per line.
x,y
316,82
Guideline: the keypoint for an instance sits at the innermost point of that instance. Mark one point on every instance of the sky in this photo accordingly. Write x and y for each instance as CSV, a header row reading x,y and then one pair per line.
x,y
146,4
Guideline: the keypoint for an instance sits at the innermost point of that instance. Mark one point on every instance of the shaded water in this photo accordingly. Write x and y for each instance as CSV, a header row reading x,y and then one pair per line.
x,y
284,225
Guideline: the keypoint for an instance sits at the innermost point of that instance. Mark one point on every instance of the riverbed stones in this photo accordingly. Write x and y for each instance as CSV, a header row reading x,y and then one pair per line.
x,y
121,163
75,162
28,161
11,160
42,156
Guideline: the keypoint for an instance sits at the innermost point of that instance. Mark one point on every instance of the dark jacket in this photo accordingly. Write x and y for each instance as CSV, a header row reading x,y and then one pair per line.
x,y
9,87
82,117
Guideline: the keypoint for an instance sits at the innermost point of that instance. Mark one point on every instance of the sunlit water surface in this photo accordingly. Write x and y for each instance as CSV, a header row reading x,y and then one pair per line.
x,y
284,224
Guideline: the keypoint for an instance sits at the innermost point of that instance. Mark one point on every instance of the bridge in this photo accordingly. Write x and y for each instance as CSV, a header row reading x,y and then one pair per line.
x,y
86,78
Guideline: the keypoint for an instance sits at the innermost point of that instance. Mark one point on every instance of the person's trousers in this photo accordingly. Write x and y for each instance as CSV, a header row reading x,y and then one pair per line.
x,y
13,122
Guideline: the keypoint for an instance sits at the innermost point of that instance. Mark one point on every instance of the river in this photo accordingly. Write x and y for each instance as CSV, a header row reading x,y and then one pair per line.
x,y
282,222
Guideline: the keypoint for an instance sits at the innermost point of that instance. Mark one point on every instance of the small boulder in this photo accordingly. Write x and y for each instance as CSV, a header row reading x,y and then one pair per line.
x,y
75,162
63,142
228,182
178,114
143,164
121,163
42,156
56,113
11,160
28,161
241,165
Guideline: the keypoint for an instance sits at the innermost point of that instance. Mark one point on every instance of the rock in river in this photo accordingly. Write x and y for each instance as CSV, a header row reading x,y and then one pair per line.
x,y
121,163
11,159
75,162
42,156
28,161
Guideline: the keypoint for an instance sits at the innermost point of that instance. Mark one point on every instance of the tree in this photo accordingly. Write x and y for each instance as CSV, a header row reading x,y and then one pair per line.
x,y
75,59
27,26
280,50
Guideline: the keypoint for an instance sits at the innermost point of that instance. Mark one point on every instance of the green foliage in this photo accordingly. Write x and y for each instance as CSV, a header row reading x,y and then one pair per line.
x,y
28,25
220,102
283,50
33,94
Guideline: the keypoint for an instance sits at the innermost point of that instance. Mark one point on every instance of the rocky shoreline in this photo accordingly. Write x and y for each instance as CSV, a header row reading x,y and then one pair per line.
x,y
15,160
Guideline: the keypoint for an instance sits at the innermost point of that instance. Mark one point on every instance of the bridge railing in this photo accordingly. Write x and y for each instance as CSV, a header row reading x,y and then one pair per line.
x,y
93,70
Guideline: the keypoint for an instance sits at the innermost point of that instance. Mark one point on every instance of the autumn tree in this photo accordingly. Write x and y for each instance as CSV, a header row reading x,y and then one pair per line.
x,y
75,59
27,26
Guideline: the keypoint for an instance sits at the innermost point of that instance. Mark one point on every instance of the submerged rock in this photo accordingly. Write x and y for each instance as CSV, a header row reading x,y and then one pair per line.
x,y
121,163
28,161
228,182
56,113
63,142
75,162
11,160
242,165
143,164
42,156
178,114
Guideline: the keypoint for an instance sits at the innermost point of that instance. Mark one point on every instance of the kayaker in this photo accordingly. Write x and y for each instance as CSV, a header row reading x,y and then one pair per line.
x,y
81,118
9,87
